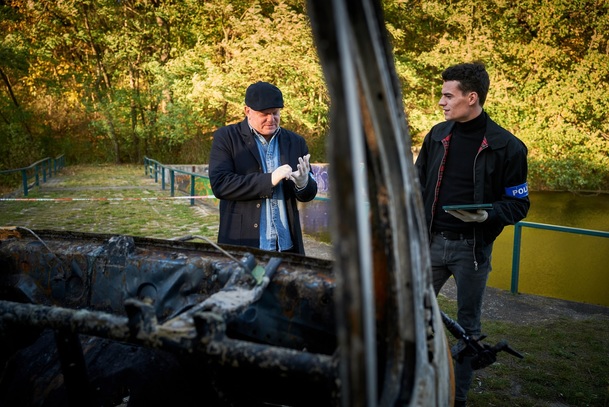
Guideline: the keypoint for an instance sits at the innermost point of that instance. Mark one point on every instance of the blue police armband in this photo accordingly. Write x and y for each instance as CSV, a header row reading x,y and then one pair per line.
x,y
519,191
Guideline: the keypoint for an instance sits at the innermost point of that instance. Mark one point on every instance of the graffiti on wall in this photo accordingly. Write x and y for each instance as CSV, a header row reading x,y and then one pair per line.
x,y
320,172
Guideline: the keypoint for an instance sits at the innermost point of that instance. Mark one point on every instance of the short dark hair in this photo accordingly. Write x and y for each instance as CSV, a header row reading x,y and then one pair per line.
x,y
472,77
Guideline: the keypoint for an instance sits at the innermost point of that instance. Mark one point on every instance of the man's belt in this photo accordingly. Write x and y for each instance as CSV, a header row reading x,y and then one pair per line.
x,y
448,235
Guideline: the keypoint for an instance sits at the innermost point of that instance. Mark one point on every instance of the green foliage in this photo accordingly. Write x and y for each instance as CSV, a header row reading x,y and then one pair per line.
x,y
16,147
114,81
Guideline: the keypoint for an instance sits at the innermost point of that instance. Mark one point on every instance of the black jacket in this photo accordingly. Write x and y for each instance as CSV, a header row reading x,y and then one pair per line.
x,y
237,179
500,164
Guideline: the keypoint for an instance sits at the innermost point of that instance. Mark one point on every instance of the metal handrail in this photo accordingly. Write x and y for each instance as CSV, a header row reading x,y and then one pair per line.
x,y
518,240
153,167
45,167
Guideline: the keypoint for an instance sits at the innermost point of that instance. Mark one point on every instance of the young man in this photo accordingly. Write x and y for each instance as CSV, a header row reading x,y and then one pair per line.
x,y
259,171
469,159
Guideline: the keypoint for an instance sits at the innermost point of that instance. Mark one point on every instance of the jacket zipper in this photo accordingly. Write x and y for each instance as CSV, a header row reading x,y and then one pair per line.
x,y
482,148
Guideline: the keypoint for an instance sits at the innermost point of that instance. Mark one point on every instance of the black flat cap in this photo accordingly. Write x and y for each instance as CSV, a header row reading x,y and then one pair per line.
x,y
262,95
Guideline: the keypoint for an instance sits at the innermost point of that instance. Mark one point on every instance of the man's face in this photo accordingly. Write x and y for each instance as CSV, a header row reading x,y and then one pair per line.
x,y
265,122
458,106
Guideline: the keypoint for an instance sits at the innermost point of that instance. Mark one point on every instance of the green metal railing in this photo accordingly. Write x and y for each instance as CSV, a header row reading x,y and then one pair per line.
x,y
30,176
518,241
195,182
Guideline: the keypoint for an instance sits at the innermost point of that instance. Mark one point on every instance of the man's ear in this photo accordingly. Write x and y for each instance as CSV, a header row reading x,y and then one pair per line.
x,y
473,98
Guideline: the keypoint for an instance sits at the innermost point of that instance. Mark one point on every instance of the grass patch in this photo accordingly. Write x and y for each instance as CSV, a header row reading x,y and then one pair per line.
x,y
566,363
115,175
158,218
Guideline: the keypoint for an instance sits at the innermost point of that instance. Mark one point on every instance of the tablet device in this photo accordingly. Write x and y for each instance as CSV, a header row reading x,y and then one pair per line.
x,y
467,207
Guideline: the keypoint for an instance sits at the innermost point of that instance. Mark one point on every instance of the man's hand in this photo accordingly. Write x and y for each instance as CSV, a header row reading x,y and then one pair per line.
x,y
281,173
466,216
301,175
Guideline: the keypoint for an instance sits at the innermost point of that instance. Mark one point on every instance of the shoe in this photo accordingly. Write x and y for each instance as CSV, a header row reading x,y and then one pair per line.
x,y
460,403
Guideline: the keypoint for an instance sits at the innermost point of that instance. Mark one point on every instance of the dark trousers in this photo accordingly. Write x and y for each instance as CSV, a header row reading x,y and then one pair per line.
x,y
456,258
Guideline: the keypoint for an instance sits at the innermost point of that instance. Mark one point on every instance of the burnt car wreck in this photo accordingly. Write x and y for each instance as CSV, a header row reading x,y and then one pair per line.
x,y
118,320
168,318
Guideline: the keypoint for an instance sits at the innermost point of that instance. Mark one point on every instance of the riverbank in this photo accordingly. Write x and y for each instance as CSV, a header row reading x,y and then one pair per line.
x,y
564,344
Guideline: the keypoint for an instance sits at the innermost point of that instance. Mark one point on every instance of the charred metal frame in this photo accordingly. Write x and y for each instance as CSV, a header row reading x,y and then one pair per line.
x,y
393,350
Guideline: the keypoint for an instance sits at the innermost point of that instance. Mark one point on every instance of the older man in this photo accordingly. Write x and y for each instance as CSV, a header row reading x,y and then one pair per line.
x,y
259,171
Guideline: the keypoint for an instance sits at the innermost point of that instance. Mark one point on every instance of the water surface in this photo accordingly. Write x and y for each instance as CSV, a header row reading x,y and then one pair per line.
x,y
552,264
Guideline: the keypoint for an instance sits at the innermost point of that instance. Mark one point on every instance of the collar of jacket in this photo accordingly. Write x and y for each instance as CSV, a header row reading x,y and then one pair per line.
x,y
283,143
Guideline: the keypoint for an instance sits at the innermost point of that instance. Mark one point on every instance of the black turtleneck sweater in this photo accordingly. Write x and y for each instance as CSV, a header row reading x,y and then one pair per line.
x,y
457,185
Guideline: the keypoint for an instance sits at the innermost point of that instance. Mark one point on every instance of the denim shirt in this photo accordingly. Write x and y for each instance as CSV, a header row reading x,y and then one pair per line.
x,y
274,230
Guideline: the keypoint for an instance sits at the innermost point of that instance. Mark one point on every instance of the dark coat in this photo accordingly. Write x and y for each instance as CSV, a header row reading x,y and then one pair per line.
x,y
237,179
501,163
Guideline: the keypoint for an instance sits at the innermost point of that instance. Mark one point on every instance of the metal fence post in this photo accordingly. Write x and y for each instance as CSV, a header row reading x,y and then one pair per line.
x,y
192,189
24,178
516,257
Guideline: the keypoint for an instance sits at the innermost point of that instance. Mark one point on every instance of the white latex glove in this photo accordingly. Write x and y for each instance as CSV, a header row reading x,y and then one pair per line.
x,y
301,175
467,216
281,173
